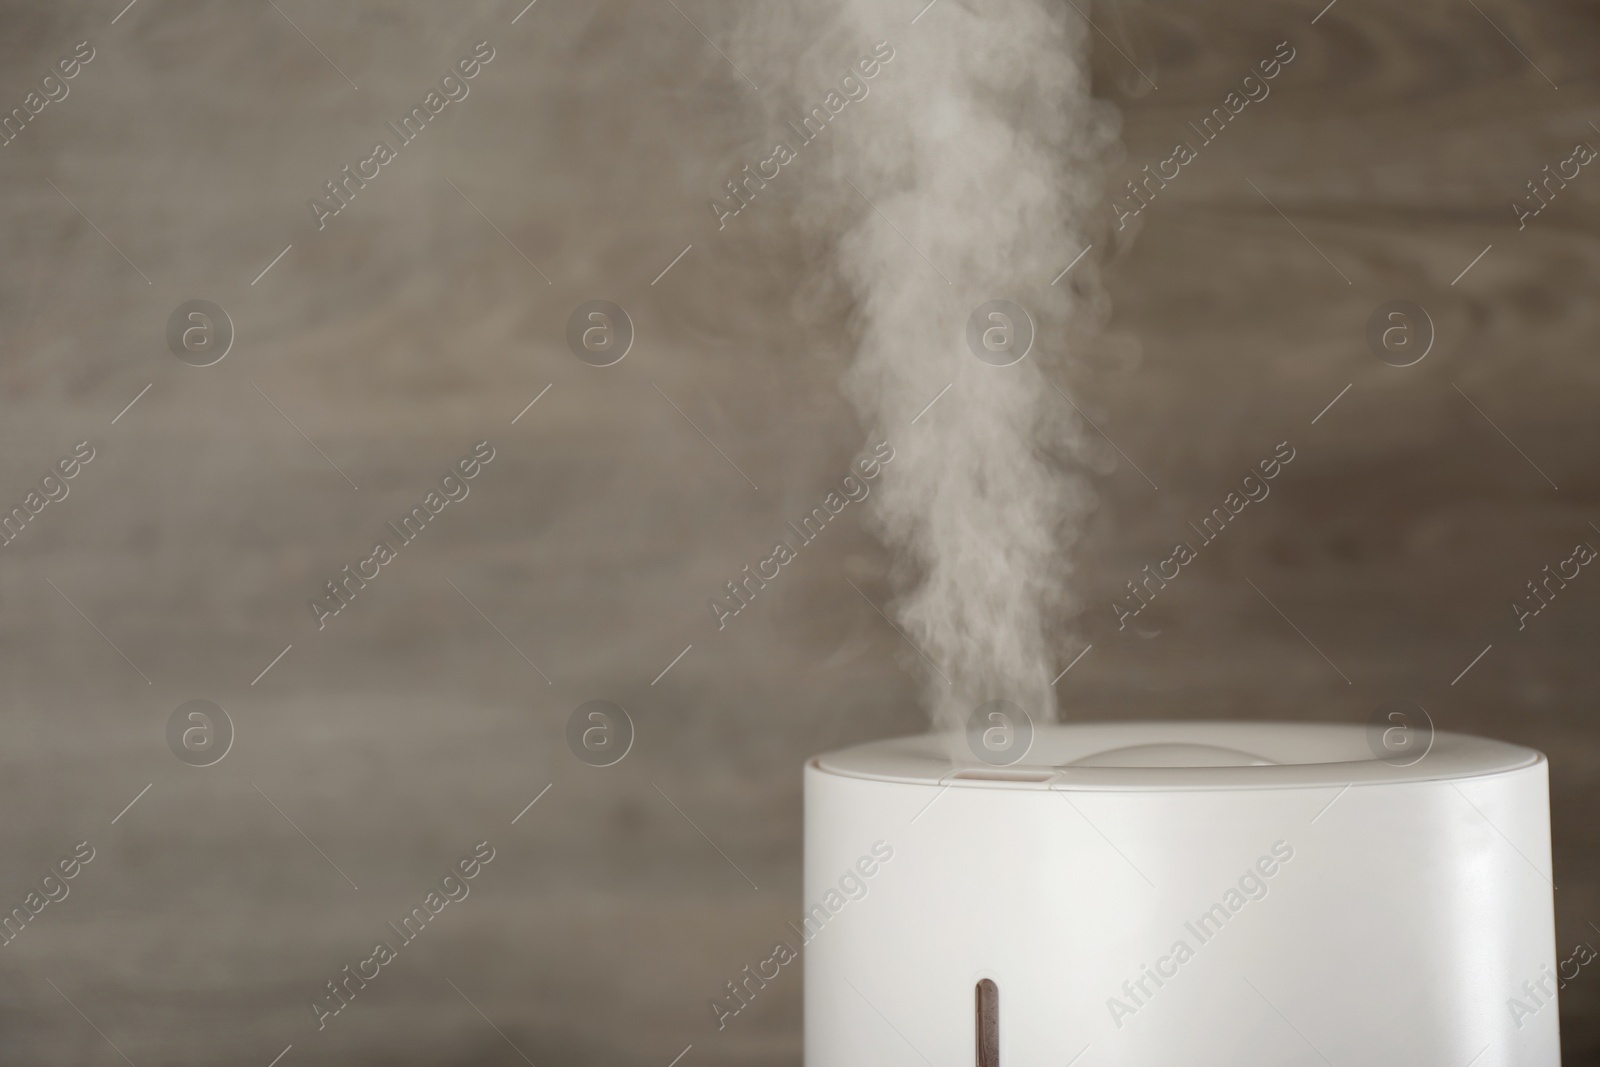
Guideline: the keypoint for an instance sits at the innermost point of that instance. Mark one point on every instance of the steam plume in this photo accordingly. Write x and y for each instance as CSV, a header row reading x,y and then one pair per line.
x,y
981,153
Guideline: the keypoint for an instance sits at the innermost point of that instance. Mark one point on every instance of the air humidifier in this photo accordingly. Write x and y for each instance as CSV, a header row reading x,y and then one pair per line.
x,y
1210,894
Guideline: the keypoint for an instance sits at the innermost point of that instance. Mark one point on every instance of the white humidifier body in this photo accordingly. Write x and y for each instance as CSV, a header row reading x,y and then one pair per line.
x,y
1194,894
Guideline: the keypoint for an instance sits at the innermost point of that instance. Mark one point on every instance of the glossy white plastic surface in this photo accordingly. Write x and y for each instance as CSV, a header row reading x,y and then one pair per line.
x,y
1333,909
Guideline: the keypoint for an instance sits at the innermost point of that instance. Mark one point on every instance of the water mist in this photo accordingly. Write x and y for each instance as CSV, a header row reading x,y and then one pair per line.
x,y
967,169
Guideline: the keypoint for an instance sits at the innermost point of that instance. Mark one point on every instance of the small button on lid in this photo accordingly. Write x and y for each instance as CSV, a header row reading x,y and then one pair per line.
x,y
1172,754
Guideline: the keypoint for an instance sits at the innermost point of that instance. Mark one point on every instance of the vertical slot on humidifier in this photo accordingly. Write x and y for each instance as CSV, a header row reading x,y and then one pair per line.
x,y
986,999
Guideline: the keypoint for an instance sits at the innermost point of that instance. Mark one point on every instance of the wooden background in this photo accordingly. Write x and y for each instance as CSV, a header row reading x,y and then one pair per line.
x,y
409,329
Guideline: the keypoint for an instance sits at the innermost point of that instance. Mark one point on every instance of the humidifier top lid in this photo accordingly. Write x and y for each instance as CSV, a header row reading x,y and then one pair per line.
x,y
1187,755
